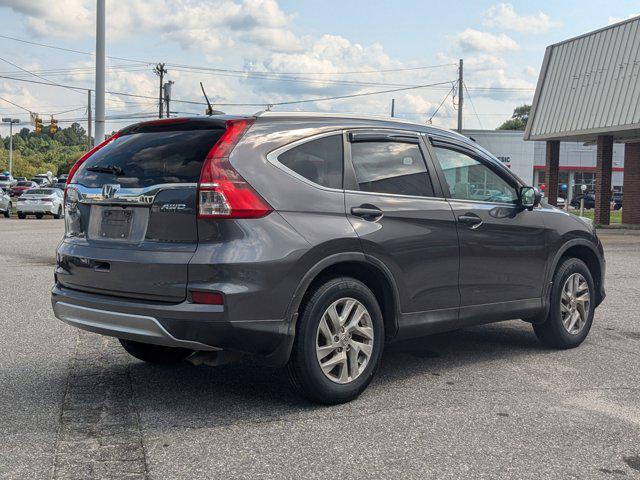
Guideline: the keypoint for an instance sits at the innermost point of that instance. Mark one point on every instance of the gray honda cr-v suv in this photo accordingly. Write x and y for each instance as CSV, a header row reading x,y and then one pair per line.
x,y
312,241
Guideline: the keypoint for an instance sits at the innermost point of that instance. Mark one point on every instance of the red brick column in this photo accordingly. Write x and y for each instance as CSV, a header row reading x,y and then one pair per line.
x,y
631,184
604,158
552,166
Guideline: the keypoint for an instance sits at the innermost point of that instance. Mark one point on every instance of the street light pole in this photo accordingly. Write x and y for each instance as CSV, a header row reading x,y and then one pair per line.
x,y
11,121
100,72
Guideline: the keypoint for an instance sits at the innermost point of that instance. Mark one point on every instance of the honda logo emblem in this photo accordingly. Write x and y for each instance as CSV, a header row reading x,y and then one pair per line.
x,y
110,190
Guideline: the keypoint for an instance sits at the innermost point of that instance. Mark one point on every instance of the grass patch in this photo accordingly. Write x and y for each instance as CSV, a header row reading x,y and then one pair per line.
x,y
616,215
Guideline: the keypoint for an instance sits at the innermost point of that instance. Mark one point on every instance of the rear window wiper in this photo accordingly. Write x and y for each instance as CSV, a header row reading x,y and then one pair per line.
x,y
115,169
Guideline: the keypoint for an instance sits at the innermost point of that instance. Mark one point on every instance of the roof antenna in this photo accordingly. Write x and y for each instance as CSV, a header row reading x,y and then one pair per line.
x,y
209,107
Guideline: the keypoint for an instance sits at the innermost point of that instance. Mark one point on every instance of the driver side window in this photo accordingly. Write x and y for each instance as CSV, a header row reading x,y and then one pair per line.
x,y
470,179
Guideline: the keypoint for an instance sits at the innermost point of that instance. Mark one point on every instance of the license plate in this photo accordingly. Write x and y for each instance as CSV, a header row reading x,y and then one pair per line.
x,y
116,223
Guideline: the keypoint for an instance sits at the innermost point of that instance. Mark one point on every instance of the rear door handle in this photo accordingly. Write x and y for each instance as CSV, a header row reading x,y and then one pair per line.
x,y
367,212
471,220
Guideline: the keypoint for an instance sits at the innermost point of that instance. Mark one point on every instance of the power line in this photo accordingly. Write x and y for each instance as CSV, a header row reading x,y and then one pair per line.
x,y
254,104
31,73
473,106
358,72
21,40
354,95
442,103
16,105
268,72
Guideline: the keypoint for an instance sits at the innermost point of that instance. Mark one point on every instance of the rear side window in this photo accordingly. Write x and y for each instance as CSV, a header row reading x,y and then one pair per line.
x,y
319,161
150,158
391,167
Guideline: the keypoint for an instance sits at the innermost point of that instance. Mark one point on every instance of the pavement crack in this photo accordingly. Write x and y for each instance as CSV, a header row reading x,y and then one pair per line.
x,y
99,431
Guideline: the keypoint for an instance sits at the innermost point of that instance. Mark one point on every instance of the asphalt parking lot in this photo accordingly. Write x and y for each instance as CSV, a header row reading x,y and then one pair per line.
x,y
484,402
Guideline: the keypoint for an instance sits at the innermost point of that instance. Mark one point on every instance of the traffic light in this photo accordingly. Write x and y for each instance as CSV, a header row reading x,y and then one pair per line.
x,y
54,126
38,124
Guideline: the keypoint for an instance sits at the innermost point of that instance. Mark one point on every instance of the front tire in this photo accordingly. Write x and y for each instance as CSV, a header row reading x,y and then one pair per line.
x,y
572,306
58,215
22,216
156,354
339,342
7,213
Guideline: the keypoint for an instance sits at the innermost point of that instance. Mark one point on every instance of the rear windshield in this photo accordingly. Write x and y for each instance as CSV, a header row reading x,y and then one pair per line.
x,y
23,184
3,177
41,191
151,158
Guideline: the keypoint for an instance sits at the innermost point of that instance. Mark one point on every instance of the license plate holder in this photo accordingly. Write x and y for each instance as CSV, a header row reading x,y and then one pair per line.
x,y
116,223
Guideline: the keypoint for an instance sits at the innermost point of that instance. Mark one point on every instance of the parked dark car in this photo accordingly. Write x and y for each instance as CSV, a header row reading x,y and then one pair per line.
x,y
61,181
616,199
589,201
21,187
312,241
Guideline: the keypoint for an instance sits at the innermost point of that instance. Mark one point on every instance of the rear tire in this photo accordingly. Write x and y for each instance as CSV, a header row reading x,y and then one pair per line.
x,y
156,354
39,216
22,216
58,215
7,213
570,318
340,324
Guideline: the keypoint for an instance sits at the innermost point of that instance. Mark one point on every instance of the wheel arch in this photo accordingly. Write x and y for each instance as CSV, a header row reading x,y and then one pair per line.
x,y
370,271
588,253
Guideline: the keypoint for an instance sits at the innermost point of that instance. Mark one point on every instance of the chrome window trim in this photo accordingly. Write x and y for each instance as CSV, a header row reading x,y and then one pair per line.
x,y
272,158
124,196
379,194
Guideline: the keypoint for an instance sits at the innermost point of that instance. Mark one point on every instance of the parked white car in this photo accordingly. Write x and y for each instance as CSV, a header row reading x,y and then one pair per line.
x,y
5,203
40,202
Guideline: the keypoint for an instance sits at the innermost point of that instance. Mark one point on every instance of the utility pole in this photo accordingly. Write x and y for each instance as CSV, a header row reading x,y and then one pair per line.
x,y
11,121
460,96
167,96
393,106
89,120
160,71
100,71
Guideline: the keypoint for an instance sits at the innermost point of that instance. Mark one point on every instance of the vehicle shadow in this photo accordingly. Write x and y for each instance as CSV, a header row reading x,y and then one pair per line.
x,y
213,396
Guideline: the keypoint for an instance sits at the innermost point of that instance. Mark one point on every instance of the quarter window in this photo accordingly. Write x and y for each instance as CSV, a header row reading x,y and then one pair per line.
x,y
391,167
319,161
470,179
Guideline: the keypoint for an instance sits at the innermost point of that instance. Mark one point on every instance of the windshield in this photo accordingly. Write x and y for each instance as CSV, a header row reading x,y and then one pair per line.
x,y
4,177
23,184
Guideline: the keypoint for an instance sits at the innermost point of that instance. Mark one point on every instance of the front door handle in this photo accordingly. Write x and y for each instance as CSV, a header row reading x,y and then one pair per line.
x,y
471,220
367,212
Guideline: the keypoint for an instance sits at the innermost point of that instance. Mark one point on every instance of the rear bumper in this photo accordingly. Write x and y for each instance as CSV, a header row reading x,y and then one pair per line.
x,y
36,208
187,325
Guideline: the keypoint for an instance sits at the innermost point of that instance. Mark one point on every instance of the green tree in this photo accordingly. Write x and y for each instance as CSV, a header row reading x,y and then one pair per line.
x,y
41,152
518,120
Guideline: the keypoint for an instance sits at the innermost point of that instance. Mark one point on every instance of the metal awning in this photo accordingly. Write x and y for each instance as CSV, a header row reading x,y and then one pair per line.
x,y
589,86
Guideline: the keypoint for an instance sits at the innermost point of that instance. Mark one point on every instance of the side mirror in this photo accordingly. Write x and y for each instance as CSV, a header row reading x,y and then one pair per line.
x,y
529,197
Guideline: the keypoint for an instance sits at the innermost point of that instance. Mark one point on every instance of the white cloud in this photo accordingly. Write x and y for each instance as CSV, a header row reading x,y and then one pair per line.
x,y
613,20
191,23
503,15
477,41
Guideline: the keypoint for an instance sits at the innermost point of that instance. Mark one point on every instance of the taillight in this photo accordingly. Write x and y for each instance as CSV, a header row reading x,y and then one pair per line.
x,y
222,192
84,158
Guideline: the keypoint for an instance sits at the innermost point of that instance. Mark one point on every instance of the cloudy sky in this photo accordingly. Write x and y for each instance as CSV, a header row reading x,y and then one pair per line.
x,y
269,52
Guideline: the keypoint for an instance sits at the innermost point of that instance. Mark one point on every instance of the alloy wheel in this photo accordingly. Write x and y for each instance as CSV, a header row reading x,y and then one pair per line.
x,y
344,340
575,303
